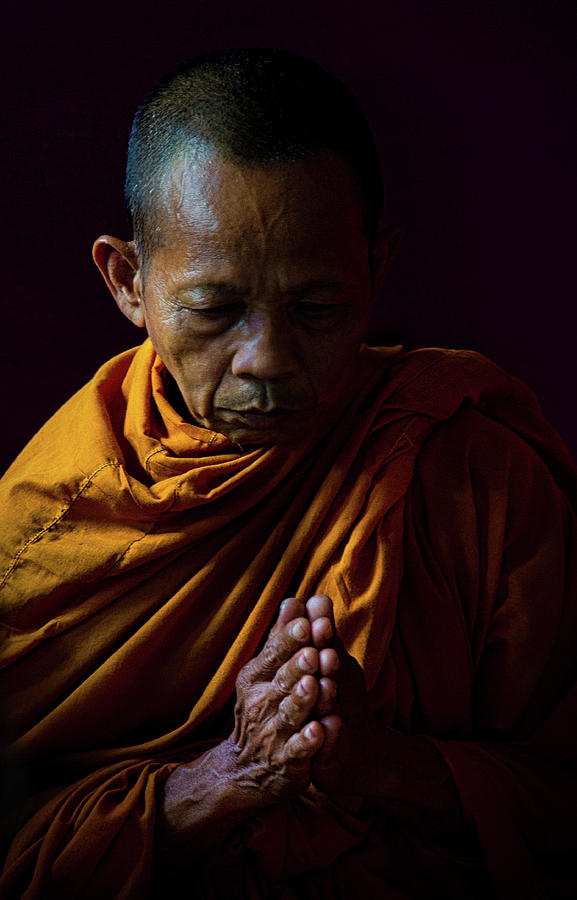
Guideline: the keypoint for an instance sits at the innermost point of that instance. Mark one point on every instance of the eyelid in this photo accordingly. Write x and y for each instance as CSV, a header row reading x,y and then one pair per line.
x,y
315,302
319,304
207,306
223,309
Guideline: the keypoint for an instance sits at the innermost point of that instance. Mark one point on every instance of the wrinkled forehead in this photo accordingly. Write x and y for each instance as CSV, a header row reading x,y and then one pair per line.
x,y
204,195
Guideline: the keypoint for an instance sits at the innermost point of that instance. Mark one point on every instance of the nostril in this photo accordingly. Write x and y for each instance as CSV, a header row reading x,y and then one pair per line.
x,y
267,357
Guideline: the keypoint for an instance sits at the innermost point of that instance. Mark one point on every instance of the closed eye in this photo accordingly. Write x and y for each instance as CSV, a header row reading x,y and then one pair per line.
x,y
215,312
309,308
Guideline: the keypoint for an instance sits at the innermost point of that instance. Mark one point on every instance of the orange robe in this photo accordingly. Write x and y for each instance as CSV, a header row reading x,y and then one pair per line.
x,y
143,560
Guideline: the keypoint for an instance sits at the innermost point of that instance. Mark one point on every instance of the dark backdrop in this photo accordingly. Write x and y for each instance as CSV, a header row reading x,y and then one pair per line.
x,y
474,109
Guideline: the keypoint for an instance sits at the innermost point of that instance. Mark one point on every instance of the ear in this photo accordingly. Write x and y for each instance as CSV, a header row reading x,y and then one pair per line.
x,y
385,248
119,266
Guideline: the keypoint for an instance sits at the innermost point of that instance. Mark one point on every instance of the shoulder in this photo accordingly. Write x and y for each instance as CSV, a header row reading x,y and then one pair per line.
x,y
436,381
475,474
472,440
73,455
80,433
462,406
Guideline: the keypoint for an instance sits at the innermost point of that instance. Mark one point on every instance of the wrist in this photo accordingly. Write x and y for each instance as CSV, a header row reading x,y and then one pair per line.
x,y
211,786
198,794
237,788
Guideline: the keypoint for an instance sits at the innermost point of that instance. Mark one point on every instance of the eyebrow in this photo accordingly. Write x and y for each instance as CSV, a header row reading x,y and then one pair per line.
x,y
216,288
219,289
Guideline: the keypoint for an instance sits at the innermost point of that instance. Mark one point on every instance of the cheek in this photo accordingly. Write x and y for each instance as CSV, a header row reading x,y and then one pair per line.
x,y
197,365
198,370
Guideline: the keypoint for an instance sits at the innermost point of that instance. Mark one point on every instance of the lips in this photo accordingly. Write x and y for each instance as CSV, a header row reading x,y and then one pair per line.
x,y
255,418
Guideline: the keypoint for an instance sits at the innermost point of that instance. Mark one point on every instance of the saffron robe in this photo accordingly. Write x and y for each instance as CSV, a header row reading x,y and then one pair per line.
x,y
143,563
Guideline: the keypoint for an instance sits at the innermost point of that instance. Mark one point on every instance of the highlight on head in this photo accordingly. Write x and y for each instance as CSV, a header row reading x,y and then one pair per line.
x,y
254,107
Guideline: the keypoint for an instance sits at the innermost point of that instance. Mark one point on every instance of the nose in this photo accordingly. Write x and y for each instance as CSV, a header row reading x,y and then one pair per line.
x,y
266,351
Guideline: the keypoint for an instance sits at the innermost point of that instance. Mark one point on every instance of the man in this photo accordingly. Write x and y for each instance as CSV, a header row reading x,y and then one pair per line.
x,y
286,616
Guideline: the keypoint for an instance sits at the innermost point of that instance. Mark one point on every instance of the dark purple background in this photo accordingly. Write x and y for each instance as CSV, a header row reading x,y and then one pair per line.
x,y
474,109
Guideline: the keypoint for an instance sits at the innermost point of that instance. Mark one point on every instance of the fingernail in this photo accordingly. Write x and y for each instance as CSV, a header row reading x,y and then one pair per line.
x,y
309,732
298,630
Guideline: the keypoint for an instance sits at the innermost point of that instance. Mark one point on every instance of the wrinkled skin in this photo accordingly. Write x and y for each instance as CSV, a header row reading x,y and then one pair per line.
x,y
283,695
302,711
258,294
303,717
257,298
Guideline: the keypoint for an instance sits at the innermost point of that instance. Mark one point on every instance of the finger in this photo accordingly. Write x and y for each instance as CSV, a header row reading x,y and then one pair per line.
x,y
296,708
319,605
305,661
320,612
327,698
322,632
280,646
331,726
329,662
290,608
306,742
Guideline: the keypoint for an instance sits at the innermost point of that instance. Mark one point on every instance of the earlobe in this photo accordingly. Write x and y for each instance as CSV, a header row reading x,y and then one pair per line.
x,y
119,266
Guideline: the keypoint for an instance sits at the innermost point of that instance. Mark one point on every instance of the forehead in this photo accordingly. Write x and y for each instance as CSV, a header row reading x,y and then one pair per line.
x,y
209,201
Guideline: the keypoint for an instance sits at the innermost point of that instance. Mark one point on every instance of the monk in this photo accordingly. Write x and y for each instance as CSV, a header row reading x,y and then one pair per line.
x,y
284,616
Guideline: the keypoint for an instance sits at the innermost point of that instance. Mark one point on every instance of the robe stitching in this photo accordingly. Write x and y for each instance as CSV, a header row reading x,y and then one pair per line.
x,y
150,455
119,559
36,537
146,534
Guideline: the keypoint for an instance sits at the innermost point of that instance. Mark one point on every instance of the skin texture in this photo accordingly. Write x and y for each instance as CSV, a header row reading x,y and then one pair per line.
x,y
282,695
257,300
302,717
258,295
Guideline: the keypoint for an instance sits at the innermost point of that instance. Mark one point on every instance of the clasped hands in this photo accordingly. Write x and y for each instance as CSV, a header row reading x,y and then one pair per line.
x,y
302,716
302,713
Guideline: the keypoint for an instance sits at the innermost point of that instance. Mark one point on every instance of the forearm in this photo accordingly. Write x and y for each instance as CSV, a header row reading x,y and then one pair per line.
x,y
266,759
201,803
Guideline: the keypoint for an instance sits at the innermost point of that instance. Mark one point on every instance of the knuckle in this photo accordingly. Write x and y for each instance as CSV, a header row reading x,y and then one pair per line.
x,y
282,680
269,652
296,749
274,651
299,745
242,680
287,713
307,660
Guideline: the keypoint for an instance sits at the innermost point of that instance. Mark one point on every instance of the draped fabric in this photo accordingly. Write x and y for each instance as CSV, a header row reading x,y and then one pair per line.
x,y
143,561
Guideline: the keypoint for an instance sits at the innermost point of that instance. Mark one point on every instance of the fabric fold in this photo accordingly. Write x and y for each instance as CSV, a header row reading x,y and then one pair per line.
x,y
151,556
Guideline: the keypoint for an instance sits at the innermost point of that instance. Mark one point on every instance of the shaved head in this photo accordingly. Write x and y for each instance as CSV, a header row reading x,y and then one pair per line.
x,y
255,108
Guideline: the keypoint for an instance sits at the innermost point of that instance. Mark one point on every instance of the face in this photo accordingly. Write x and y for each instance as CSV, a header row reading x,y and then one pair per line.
x,y
258,294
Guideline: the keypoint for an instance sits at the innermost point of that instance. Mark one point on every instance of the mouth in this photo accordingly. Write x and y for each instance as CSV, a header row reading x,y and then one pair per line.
x,y
257,418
